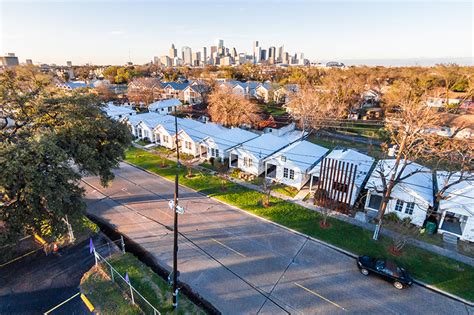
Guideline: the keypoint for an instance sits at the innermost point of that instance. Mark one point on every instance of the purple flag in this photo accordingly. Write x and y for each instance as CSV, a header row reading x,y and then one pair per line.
x,y
91,246
126,278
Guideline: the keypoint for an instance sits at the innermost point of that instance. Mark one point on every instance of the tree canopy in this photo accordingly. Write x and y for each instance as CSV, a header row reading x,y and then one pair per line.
x,y
52,137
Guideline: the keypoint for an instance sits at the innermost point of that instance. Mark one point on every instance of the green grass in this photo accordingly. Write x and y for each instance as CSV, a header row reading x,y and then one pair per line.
x,y
142,142
286,190
330,143
442,272
106,296
110,297
274,110
208,166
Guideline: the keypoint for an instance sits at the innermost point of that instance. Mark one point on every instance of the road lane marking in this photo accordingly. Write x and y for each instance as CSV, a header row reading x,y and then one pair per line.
x,y
15,259
320,296
238,253
62,303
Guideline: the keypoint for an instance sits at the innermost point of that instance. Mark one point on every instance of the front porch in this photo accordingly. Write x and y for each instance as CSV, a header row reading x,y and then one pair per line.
x,y
453,223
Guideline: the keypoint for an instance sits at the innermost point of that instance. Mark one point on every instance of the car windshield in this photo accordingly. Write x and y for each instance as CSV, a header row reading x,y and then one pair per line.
x,y
379,264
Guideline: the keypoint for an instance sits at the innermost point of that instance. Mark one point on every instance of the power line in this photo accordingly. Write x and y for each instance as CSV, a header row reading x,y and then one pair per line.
x,y
260,291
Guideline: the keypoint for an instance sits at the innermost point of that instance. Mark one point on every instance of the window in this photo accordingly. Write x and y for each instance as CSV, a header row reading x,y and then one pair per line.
x,y
375,201
285,172
187,145
247,162
409,208
212,152
292,174
217,153
165,139
283,158
399,206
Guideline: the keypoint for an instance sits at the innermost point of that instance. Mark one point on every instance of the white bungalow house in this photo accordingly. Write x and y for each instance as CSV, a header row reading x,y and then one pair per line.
x,y
190,137
250,156
291,165
193,94
164,134
411,198
344,173
263,92
166,131
133,121
145,128
174,89
282,94
117,112
165,107
457,210
219,145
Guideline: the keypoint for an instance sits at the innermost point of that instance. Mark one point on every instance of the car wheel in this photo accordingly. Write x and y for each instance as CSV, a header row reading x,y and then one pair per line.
x,y
364,271
398,285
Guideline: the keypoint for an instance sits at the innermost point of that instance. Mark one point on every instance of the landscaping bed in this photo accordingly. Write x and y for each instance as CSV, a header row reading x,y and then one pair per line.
x,y
444,273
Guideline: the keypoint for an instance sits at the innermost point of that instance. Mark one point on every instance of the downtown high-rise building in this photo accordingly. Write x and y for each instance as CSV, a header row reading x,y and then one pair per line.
x,y
272,55
256,52
173,52
280,54
187,55
204,55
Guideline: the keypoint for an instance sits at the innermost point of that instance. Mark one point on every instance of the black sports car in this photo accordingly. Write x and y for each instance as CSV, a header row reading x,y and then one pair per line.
x,y
386,269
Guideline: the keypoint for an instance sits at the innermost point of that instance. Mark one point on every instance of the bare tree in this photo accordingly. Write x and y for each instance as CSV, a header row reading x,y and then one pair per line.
x,y
230,109
407,127
144,90
267,191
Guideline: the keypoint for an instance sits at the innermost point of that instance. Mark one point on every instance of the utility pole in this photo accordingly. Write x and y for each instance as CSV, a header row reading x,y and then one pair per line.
x,y
175,206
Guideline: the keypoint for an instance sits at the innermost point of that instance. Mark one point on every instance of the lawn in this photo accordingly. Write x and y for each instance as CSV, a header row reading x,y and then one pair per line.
x,y
444,273
111,299
331,143
286,190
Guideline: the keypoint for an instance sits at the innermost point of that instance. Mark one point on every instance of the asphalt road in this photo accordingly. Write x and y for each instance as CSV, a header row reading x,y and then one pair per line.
x,y
34,285
244,265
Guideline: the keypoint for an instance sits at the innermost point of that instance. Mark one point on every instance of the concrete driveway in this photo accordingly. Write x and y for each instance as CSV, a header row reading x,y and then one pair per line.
x,y
242,264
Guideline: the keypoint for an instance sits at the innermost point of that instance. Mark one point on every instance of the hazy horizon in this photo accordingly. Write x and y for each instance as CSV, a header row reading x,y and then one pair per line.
x,y
353,32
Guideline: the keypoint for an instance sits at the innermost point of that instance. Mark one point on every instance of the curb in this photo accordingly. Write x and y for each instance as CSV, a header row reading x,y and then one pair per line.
x,y
338,249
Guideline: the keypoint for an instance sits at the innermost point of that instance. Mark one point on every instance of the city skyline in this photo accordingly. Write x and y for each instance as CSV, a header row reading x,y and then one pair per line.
x,y
348,33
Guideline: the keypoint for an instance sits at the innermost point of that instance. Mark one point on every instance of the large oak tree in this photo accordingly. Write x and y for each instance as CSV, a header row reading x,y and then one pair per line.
x,y
52,137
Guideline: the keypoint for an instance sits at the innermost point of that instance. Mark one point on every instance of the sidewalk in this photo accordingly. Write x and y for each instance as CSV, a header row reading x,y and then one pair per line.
x,y
365,225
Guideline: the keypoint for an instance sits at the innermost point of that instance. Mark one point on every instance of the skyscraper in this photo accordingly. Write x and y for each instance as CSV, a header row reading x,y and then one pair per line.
x,y
204,55
272,55
281,51
187,55
256,52
263,54
173,52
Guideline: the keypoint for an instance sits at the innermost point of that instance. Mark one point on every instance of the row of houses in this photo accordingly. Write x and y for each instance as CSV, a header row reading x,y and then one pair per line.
x,y
344,174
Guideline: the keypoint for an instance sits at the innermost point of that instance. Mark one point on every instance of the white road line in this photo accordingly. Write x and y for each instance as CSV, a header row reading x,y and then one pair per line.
x,y
238,253
320,296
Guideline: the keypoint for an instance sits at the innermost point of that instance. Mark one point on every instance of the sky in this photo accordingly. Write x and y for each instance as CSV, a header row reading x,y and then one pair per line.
x,y
114,32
